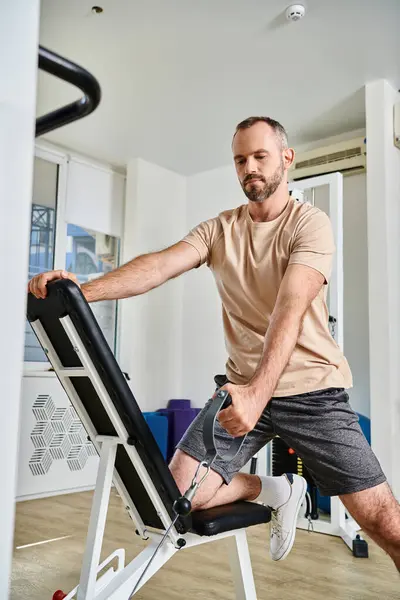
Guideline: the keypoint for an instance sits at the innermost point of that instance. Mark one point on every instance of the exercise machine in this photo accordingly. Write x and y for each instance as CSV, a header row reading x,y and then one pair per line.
x,y
129,458
70,72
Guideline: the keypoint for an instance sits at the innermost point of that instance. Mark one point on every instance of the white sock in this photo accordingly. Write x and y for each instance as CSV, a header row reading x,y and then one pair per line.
x,y
275,491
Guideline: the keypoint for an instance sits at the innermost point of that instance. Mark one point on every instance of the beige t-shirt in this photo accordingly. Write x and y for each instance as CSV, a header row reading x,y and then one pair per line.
x,y
248,260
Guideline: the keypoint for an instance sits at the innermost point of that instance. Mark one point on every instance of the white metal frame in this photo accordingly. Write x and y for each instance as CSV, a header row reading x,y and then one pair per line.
x,y
117,583
341,524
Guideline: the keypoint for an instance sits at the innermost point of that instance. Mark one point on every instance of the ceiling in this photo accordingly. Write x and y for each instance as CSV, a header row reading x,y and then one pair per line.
x,y
177,75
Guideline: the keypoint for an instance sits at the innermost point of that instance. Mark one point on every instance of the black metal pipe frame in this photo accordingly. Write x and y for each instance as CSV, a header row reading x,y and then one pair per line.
x,y
71,73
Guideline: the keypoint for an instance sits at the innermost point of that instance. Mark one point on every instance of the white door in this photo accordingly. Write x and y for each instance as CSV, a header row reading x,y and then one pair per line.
x,y
326,192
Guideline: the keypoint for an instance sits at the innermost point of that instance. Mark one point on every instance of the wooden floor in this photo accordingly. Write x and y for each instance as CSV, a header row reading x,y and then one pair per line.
x,y
319,567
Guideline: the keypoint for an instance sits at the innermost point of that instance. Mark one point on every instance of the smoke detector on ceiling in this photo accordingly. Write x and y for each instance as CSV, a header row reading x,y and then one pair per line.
x,y
295,12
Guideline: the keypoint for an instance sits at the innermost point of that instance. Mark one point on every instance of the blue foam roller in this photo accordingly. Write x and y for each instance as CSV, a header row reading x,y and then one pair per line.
x,y
158,425
178,422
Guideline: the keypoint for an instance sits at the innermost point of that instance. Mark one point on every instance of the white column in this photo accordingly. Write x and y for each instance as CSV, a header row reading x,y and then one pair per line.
x,y
151,324
131,322
383,205
19,22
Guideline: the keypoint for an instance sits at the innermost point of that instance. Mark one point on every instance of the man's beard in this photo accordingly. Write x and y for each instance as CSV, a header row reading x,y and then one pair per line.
x,y
255,193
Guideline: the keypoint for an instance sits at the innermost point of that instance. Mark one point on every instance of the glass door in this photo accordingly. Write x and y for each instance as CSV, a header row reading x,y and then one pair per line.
x,y
42,238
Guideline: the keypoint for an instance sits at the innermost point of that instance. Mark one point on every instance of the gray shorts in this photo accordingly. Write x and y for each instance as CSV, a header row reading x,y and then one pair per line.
x,y
320,426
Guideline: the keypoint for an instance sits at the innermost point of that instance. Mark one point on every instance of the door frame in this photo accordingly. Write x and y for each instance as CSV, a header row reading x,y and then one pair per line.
x,y
334,181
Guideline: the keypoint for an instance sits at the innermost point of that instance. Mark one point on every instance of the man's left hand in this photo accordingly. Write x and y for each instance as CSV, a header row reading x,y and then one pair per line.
x,y
244,412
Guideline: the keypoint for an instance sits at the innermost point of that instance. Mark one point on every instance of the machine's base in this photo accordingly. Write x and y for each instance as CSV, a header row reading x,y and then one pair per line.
x,y
340,525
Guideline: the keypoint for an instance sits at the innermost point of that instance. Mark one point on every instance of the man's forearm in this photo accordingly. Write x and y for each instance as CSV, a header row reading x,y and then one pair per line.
x,y
279,344
132,279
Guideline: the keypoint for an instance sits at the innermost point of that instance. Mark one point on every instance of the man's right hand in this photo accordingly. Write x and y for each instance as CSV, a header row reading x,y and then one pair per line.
x,y
37,285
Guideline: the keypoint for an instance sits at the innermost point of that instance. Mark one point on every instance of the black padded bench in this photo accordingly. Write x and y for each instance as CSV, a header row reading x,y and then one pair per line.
x,y
129,457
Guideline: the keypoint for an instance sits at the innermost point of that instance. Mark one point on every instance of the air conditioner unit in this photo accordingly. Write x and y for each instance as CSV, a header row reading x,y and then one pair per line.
x,y
347,157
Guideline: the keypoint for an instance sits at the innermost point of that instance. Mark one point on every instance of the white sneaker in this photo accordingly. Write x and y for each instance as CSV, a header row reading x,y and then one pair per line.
x,y
284,518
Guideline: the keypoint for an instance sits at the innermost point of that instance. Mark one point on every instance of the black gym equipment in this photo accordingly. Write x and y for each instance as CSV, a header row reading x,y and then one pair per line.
x,y
64,69
130,457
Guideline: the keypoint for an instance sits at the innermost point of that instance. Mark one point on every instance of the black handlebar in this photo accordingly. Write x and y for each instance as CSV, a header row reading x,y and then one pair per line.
x,y
220,401
72,73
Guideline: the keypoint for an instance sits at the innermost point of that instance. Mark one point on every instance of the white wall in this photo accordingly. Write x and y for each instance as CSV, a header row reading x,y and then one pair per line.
x,y
18,67
151,324
383,193
204,351
356,318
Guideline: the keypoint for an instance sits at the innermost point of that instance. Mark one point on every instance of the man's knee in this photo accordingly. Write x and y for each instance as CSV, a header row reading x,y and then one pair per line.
x,y
183,468
376,511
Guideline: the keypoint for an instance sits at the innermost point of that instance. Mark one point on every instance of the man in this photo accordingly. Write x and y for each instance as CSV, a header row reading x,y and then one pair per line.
x,y
271,259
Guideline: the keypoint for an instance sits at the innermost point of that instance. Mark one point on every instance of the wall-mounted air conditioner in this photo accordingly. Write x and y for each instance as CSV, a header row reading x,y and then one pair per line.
x,y
347,157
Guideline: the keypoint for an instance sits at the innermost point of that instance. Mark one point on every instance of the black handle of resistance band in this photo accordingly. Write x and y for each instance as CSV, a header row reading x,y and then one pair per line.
x,y
71,73
221,401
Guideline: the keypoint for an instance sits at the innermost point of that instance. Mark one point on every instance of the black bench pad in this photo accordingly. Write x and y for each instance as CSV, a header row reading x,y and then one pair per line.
x,y
229,517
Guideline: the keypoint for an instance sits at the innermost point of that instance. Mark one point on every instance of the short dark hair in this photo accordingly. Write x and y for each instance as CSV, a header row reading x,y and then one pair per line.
x,y
279,130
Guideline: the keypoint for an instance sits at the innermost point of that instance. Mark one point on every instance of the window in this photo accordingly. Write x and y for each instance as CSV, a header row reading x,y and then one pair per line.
x,y
90,255
42,238
56,244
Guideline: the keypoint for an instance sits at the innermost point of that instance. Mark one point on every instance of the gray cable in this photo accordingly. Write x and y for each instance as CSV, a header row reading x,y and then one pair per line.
x,y
152,558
